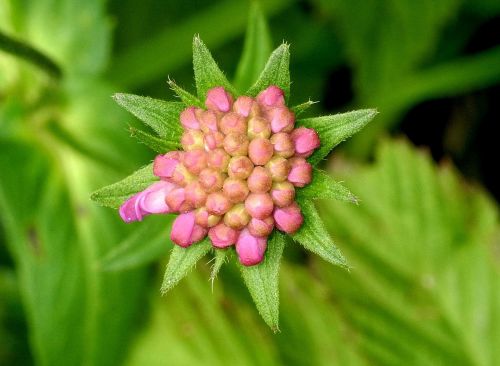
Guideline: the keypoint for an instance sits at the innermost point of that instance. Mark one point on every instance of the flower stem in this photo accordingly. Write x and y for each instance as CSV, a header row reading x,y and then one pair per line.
x,y
30,54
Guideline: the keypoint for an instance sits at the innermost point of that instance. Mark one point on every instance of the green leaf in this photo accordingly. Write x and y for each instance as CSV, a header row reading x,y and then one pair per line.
x,y
334,129
301,108
161,116
220,258
181,261
276,72
313,236
147,243
207,74
325,187
255,51
187,98
115,194
422,241
262,281
157,144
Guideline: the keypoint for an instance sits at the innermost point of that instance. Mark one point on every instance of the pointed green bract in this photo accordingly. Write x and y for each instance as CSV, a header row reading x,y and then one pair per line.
x,y
156,144
334,129
161,116
220,258
144,245
313,236
187,98
181,261
115,194
262,281
325,187
301,108
256,50
276,72
207,74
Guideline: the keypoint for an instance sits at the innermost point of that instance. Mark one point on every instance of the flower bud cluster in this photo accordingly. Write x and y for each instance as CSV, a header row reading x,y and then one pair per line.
x,y
235,179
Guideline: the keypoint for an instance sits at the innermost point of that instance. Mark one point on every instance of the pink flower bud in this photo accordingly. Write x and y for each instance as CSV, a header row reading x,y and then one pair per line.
x,y
177,202
260,151
301,172
152,199
217,203
235,189
258,227
170,168
130,210
208,121
192,139
164,165
189,119
211,180
195,194
233,123
271,97
306,140
195,160
258,127
283,144
260,180
219,160
282,193
282,119
218,100
185,231
240,167
237,217
213,140
288,219
246,106
250,248
222,236
206,219
236,144
259,205
279,168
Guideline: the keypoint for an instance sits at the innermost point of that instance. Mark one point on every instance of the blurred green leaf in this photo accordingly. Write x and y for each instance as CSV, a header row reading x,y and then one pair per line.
x,y
202,326
161,116
276,72
313,236
187,98
115,194
146,244
262,281
181,261
229,16
256,50
207,74
156,144
425,285
324,187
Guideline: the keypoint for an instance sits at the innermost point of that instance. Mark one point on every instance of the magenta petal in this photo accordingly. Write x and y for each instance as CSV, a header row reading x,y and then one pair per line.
x,y
288,219
218,100
164,165
185,231
271,97
129,210
250,248
153,198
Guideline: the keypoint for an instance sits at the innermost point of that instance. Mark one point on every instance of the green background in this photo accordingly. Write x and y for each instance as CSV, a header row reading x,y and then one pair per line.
x,y
79,287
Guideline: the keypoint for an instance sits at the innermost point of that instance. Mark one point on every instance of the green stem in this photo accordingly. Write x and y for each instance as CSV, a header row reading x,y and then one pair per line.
x,y
30,54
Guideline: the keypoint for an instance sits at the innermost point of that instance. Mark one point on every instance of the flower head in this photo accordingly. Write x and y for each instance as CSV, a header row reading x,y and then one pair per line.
x,y
248,182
